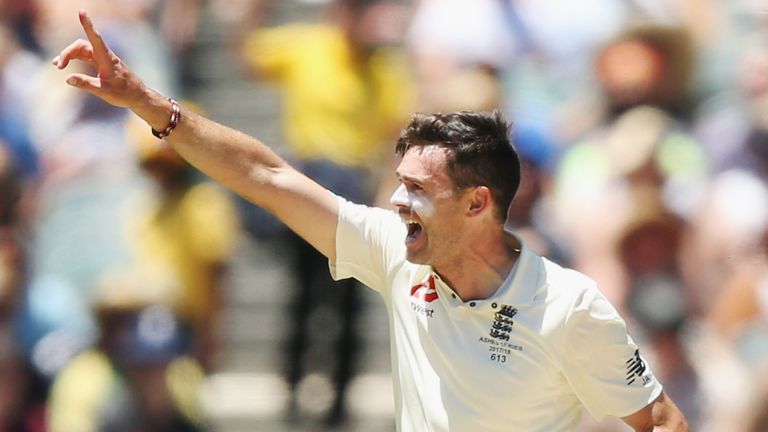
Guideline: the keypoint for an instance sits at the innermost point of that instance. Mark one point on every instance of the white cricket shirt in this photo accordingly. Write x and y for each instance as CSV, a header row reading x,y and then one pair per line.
x,y
526,359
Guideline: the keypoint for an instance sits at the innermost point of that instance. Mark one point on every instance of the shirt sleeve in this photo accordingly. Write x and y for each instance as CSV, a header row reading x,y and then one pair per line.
x,y
369,244
602,363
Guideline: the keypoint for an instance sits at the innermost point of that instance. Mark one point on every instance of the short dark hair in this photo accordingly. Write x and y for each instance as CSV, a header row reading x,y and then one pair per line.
x,y
480,150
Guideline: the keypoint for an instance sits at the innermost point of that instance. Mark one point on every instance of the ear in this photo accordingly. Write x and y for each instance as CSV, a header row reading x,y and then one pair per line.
x,y
479,201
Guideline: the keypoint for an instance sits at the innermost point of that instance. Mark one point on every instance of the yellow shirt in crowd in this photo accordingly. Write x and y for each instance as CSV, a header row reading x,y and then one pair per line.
x,y
190,235
335,106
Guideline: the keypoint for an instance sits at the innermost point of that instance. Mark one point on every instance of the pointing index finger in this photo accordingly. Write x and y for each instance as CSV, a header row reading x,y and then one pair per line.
x,y
101,52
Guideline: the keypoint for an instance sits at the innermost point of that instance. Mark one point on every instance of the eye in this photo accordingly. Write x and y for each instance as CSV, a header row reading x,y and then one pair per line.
x,y
412,186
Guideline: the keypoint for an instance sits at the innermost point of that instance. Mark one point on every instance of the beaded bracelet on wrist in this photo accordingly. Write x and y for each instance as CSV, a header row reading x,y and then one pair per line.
x,y
175,118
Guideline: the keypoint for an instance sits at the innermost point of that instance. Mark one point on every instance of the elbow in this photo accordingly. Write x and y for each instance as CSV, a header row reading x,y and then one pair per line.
x,y
680,425
266,181
674,423
662,415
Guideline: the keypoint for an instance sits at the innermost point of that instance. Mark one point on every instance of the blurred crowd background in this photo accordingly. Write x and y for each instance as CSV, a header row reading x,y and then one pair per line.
x,y
137,295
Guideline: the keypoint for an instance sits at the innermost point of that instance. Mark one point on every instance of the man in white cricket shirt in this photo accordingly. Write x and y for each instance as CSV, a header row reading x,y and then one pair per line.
x,y
486,336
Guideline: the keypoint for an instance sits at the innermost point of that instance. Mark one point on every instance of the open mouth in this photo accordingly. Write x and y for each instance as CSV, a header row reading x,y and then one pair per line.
x,y
414,229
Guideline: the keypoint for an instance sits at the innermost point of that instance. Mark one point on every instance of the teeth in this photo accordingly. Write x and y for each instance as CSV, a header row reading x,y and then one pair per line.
x,y
412,229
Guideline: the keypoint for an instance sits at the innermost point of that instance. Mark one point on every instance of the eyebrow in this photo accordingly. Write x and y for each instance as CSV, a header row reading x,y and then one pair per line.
x,y
411,178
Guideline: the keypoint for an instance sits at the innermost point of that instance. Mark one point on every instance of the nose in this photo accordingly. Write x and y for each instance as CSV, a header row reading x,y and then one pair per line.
x,y
400,197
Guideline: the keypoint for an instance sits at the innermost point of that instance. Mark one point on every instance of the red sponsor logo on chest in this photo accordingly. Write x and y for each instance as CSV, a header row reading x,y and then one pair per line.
x,y
425,291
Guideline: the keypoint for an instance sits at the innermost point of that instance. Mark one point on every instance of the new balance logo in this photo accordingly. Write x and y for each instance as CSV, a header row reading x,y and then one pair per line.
x,y
636,369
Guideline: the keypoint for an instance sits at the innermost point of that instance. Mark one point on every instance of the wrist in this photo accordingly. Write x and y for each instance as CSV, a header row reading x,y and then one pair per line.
x,y
154,108
173,121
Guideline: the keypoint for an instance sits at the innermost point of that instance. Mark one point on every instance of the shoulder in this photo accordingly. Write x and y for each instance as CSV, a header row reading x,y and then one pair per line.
x,y
375,227
579,315
363,215
575,304
568,286
369,244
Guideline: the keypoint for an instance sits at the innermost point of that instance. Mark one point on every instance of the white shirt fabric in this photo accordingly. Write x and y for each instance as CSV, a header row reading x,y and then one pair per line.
x,y
526,359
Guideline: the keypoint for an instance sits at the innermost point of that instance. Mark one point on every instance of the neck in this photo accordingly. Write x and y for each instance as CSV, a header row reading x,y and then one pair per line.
x,y
478,273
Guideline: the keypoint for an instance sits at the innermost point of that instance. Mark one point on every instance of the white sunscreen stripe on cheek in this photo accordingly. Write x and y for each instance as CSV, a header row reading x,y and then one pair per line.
x,y
422,205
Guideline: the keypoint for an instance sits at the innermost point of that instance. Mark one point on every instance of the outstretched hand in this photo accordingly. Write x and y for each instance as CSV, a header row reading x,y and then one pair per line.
x,y
114,82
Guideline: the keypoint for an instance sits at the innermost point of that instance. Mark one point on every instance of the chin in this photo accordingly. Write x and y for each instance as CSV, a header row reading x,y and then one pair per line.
x,y
414,260
417,257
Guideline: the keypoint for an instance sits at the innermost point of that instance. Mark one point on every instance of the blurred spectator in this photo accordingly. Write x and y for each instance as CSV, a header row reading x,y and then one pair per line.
x,y
190,226
345,89
18,68
647,64
10,186
179,23
20,411
567,35
733,332
22,394
732,85
458,50
85,178
740,311
752,154
733,211
139,376
12,273
642,150
85,175
757,419
726,228
12,255
649,250
19,16
641,143
529,216
550,83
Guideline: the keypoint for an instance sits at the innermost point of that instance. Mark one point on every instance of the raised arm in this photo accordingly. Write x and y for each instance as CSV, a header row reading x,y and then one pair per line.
x,y
234,159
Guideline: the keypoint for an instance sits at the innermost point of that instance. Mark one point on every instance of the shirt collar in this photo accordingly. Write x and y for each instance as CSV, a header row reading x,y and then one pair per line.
x,y
518,288
523,283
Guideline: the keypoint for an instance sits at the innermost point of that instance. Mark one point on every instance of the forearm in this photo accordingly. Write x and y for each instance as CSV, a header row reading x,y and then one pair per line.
x,y
232,158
